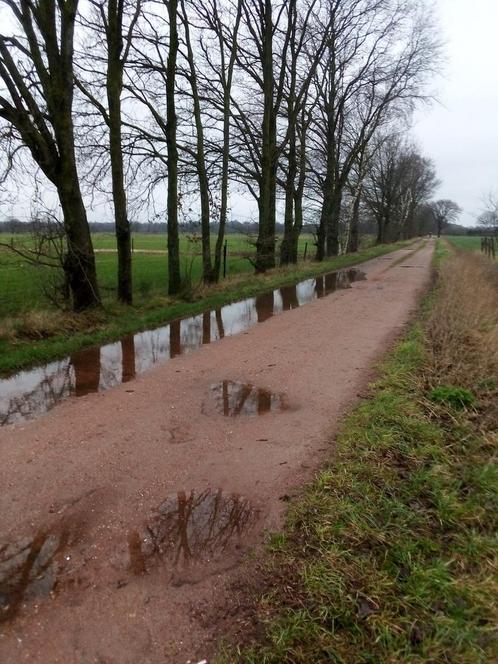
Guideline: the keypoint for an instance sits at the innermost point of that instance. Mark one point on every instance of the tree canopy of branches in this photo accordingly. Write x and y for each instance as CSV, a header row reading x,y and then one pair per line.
x,y
445,212
179,104
36,103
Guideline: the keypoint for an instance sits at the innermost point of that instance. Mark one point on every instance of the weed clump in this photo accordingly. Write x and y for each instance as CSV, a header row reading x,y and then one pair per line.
x,y
455,397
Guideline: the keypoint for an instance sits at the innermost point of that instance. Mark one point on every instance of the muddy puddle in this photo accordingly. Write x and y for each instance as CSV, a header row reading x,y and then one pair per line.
x,y
189,534
31,568
188,537
233,399
29,394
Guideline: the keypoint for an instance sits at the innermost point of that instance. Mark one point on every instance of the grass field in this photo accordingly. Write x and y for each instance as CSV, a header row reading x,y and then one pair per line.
x,y
22,285
468,243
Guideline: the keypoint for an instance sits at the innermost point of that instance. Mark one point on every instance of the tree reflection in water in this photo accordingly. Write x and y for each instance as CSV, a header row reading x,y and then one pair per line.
x,y
31,393
190,528
233,399
30,568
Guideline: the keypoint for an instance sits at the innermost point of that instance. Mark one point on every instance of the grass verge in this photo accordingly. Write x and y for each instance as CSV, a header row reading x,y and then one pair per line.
x,y
390,556
57,334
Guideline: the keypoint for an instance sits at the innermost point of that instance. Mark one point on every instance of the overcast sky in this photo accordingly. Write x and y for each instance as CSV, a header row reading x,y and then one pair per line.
x,y
461,133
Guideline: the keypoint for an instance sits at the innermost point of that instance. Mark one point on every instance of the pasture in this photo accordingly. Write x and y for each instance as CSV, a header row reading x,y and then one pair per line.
x,y
22,285
466,242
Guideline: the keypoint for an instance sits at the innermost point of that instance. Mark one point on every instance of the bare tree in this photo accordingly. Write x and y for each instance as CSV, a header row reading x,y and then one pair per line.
x,y
445,212
199,152
220,24
306,48
488,219
398,182
36,69
377,60
174,276
114,20
263,42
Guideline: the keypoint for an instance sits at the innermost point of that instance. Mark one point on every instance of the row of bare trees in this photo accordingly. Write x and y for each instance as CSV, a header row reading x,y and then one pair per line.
x,y
297,103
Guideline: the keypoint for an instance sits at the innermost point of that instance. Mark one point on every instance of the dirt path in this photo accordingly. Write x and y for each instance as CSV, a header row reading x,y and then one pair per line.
x,y
105,554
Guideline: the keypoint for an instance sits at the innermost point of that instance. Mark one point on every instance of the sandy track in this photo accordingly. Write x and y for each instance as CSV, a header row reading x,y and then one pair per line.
x,y
94,584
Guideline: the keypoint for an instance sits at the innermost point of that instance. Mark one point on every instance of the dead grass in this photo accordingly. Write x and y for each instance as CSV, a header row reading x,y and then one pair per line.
x,y
42,324
462,329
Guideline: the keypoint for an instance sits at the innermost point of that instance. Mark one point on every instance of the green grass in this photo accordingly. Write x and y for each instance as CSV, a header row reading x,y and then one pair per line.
x,y
22,285
391,555
467,243
151,309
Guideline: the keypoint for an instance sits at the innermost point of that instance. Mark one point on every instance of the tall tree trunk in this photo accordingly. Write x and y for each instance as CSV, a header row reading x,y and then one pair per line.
x,y
380,230
225,161
200,158
354,237
265,244
174,276
333,222
114,89
79,265
383,228
52,77
287,241
298,224
327,203
299,190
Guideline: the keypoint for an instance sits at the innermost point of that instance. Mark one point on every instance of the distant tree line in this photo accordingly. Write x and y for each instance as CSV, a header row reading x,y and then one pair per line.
x,y
302,104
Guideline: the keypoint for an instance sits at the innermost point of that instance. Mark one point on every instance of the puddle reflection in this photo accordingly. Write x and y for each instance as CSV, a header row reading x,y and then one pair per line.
x,y
30,568
29,394
190,528
233,399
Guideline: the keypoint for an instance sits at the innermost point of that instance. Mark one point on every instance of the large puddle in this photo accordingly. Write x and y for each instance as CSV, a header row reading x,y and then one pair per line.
x,y
189,536
189,531
29,394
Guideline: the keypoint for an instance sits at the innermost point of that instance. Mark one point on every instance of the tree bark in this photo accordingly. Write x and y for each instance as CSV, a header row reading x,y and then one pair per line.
x,y
174,276
52,148
286,248
265,244
227,91
333,221
354,238
114,86
200,159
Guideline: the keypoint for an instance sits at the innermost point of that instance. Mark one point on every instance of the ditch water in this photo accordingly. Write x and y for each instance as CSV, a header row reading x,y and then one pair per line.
x,y
29,394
